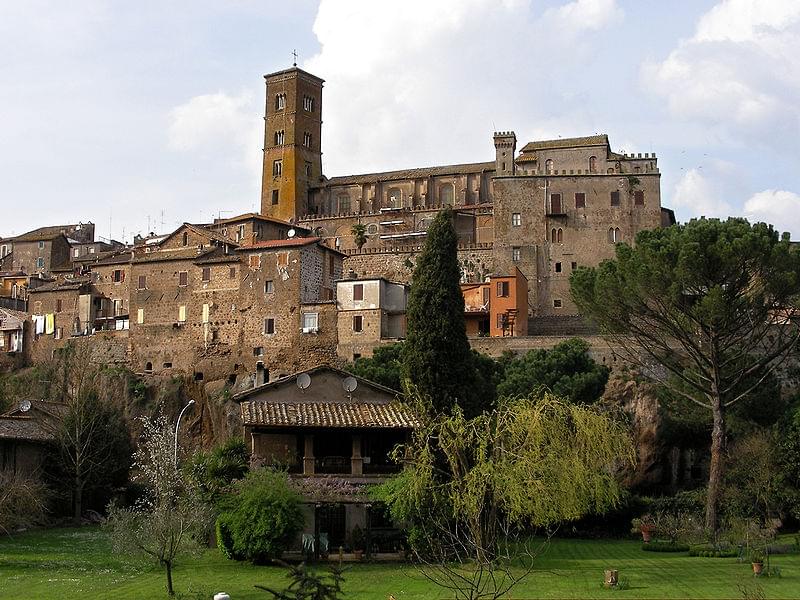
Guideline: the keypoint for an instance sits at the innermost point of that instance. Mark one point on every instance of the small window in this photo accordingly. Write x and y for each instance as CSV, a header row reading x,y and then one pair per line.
x,y
447,194
41,245
91,249
614,235
574,265
182,313
358,291
183,278
555,204
148,367
118,276
356,356
232,273
548,167
592,164
580,200
254,261
372,229
275,197
331,264
638,198
344,203
279,137
307,140
59,332
516,219
502,289
269,326
40,263
557,303
167,365
283,259
185,238
142,284
76,253
516,254
358,323
308,104
395,198
559,236
206,274
308,169
277,168
58,304
269,286
280,101
558,267
310,322
615,198
258,351
140,316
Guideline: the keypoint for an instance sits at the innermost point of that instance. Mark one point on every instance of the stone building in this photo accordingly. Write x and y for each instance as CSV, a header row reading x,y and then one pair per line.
x,y
43,249
497,307
555,206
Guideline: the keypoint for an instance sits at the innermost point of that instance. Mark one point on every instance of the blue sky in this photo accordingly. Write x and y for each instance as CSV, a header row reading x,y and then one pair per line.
x,y
134,114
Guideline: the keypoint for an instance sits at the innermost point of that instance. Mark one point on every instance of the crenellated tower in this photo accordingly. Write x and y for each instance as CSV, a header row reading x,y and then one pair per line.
x,y
505,145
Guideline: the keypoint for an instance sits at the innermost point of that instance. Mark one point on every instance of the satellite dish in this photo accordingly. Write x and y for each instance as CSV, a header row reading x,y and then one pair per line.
x,y
25,405
350,384
291,233
303,380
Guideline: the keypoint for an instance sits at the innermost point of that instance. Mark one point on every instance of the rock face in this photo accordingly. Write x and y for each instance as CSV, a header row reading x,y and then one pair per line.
x,y
638,400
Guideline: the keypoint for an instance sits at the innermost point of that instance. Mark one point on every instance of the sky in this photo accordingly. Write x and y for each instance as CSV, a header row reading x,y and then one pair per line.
x,y
139,116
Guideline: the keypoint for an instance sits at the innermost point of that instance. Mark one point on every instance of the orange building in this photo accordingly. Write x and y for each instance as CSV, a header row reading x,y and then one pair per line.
x,y
497,307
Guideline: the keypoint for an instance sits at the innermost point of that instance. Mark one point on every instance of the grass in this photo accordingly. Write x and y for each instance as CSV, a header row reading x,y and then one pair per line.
x,y
64,564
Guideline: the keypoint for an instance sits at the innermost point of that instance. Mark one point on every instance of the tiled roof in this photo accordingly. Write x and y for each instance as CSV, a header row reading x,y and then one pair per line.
x,y
42,233
59,286
590,140
7,312
290,242
22,428
188,253
116,258
256,216
526,158
413,173
326,414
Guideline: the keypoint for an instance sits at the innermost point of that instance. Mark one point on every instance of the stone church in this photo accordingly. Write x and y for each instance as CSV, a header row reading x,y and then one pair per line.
x,y
554,206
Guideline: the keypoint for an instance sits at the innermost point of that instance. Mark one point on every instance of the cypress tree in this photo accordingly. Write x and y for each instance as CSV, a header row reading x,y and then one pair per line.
x,y
437,358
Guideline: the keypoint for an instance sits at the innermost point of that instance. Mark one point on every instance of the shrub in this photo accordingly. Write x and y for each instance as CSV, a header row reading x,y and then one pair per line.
x,y
711,551
657,546
224,538
215,471
262,516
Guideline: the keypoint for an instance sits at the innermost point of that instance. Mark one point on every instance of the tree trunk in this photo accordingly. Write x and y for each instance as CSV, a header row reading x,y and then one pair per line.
x,y
168,565
718,434
78,502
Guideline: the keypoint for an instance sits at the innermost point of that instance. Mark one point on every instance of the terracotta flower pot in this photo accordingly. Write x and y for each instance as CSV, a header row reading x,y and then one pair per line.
x,y
647,534
757,568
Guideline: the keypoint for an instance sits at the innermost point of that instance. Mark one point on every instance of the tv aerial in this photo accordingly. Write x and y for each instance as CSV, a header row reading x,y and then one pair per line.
x,y
24,405
350,384
303,381
291,233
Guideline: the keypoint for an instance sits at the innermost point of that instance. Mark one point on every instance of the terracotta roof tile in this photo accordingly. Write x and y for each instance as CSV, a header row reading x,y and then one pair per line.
x,y
413,173
326,414
290,242
576,142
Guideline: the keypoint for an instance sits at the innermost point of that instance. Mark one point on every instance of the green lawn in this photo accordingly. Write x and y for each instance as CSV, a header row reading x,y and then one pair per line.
x,y
63,564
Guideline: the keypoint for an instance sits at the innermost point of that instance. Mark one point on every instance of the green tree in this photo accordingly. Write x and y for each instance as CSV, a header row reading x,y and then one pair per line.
x,y
384,366
359,231
215,471
711,303
567,370
437,358
788,455
473,488
170,519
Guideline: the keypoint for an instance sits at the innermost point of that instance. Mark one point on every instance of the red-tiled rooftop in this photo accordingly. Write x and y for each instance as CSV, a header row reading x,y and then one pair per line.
x,y
289,242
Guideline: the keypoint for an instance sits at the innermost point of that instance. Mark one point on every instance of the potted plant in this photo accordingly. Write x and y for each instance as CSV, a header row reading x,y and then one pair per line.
x,y
644,525
757,560
357,539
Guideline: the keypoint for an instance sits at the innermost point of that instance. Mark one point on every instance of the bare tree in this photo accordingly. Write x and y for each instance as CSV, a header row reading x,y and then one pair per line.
x,y
23,500
170,519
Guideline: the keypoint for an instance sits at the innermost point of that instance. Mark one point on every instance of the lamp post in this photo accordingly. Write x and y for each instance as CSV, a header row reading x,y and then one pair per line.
x,y
177,426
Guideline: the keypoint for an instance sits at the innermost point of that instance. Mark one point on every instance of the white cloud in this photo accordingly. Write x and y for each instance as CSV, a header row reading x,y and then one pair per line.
x,y
780,208
739,73
218,125
697,195
405,79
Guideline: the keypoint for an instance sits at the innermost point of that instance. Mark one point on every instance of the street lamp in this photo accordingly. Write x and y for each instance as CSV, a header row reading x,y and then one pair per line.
x,y
177,426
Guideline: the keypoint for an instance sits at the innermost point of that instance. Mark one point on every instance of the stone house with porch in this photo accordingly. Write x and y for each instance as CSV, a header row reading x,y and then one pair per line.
x,y
331,431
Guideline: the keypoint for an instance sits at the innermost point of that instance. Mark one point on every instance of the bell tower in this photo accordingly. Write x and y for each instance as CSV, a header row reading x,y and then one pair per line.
x,y
292,142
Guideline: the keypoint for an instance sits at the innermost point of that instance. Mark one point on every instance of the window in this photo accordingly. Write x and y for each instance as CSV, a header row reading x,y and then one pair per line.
x,y
182,313
240,233
344,203
232,273
185,238
40,263
206,274
574,265
140,316
614,235
558,267
258,351
331,264
502,289
615,198
580,200
516,254
516,219
308,104
395,198
41,245
206,311
183,278
280,101
638,198
502,321
372,229
274,197
358,323
548,167
91,249
283,259
557,303
277,168
118,276
358,291
310,322
59,332
279,137
76,253
308,169
142,284
555,204
58,304
592,164
269,286
447,194
559,236
307,140
269,326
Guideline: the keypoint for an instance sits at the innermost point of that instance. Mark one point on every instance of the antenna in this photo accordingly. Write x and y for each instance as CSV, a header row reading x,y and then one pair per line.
x,y
291,233
350,384
24,405
303,381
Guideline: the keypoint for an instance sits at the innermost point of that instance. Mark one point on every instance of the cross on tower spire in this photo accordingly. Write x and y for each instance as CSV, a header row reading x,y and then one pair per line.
x,y
294,54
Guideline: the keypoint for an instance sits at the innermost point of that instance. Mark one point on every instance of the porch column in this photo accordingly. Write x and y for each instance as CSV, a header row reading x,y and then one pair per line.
x,y
308,455
356,462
